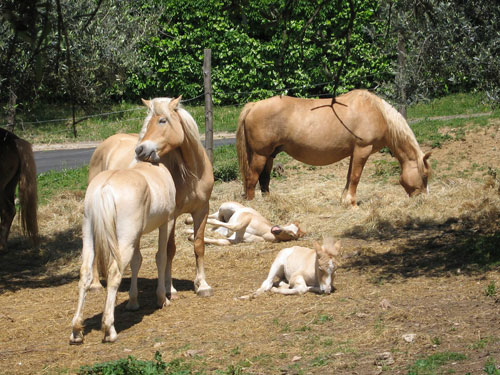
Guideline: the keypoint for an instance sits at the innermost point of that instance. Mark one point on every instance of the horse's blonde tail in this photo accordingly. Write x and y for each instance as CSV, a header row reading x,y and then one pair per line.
x,y
244,152
28,195
103,217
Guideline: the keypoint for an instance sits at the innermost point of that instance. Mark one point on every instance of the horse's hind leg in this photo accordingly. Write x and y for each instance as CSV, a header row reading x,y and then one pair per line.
x,y
83,286
358,160
257,165
265,176
7,212
108,317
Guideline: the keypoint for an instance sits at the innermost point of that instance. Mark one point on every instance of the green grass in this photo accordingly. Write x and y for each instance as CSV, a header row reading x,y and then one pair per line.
x,y
54,182
454,104
431,365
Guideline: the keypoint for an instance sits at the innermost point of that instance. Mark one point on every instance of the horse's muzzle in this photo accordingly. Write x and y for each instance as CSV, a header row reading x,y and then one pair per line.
x,y
143,153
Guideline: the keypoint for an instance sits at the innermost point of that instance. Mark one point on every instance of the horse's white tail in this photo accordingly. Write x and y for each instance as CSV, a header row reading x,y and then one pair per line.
x,y
102,213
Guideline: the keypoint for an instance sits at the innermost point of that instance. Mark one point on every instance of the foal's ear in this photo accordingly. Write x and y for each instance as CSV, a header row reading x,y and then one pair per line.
x,y
332,248
146,102
174,103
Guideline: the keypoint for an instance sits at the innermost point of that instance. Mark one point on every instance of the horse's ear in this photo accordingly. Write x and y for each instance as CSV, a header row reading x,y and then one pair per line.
x,y
174,103
146,102
426,157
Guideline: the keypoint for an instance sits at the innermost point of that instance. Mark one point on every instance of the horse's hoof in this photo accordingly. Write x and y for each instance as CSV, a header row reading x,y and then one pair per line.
x,y
132,306
162,303
173,296
76,340
96,287
205,292
109,339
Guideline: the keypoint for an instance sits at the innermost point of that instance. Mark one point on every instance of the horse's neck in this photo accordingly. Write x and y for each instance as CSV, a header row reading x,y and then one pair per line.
x,y
193,156
405,152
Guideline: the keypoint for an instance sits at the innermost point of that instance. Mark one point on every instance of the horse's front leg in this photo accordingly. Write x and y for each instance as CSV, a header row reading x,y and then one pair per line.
x,y
171,250
201,286
133,293
358,160
161,265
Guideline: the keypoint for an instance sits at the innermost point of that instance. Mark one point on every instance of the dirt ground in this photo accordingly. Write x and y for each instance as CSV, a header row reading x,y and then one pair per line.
x,y
414,284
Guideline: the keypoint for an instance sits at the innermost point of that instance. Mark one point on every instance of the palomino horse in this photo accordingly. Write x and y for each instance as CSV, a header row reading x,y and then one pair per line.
x,y
169,136
301,270
244,224
120,206
316,132
17,166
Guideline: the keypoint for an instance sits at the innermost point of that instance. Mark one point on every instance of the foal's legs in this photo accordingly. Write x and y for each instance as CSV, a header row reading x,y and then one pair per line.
x,y
256,166
265,176
200,221
358,160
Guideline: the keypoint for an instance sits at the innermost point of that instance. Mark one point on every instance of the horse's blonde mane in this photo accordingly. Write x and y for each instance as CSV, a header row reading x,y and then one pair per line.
x,y
174,160
400,135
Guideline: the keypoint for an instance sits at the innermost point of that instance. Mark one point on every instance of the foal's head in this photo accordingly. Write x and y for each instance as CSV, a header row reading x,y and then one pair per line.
x,y
162,131
288,232
415,175
326,258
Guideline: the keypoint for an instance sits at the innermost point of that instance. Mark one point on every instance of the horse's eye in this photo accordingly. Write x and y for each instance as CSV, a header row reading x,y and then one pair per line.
x,y
163,121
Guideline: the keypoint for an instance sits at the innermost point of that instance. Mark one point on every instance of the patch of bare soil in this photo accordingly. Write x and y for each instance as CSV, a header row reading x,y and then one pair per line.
x,y
414,280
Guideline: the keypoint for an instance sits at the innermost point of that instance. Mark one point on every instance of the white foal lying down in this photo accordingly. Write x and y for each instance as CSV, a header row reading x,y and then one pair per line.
x,y
305,270
243,224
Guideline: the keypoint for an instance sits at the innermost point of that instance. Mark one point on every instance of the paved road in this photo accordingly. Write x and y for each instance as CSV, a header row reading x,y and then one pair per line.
x,y
68,159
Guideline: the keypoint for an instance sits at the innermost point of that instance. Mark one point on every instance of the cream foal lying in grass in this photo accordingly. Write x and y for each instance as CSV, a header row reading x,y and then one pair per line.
x,y
302,270
243,224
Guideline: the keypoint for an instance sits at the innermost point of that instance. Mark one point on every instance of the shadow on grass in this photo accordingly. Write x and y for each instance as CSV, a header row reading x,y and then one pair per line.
x,y
125,319
26,266
469,244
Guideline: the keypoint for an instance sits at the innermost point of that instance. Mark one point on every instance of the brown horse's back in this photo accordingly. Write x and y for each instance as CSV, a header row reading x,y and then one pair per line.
x,y
311,130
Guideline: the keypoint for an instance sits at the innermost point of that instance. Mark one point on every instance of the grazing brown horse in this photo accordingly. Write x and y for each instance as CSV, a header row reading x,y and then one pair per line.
x,y
315,132
17,166
169,136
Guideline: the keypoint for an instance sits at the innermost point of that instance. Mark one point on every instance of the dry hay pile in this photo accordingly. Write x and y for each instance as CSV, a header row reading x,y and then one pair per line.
x,y
412,283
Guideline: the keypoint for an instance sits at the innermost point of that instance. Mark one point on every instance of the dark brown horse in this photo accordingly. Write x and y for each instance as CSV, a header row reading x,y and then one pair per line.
x,y
17,167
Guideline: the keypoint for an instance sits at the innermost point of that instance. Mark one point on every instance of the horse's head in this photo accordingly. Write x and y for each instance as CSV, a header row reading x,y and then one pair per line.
x,y
326,257
162,131
287,233
415,175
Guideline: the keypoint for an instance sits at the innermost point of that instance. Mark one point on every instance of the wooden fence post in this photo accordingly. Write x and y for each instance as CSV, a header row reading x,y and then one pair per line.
x,y
209,130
